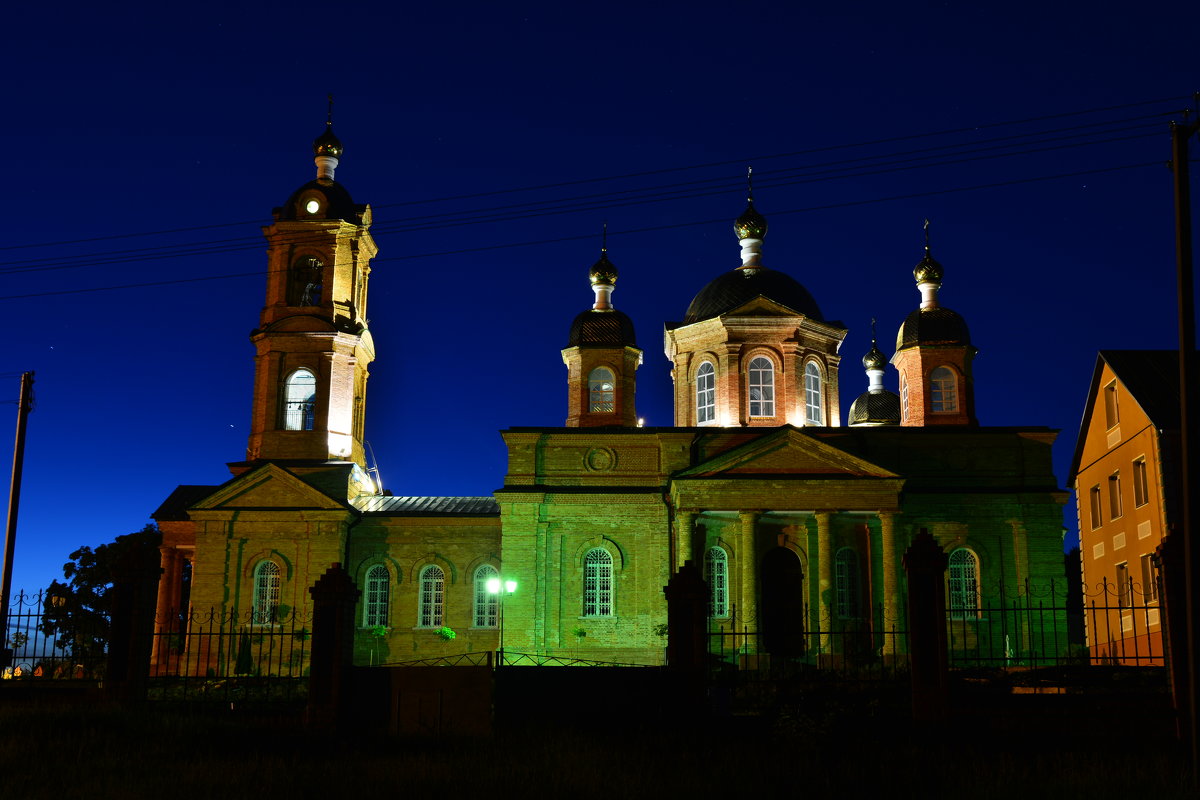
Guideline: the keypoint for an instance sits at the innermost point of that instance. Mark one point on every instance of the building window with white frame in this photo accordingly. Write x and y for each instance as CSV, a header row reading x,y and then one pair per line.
x,y
601,391
377,595
813,406
299,401
943,391
1114,495
716,573
597,583
487,604
1149,579
1123,587
1141,483
706,394
903,396
845,583
267,581
762,387
1095,506
964,584
433,596
1111,412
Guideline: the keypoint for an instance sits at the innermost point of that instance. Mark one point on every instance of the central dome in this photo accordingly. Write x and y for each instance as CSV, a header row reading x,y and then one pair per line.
x,y
739,286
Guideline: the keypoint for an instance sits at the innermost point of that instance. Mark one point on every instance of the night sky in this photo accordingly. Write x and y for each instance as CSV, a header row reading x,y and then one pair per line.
x,y
146,148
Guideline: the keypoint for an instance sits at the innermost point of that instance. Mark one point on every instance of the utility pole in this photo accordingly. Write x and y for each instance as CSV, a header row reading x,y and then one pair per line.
x,y
1188,421
24,405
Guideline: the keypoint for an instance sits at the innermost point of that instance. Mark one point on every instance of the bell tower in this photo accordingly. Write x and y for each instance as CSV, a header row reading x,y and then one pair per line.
x,y
602,357
312,346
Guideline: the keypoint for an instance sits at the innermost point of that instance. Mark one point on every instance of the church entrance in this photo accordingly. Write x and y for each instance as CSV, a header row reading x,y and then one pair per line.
x,y
781,610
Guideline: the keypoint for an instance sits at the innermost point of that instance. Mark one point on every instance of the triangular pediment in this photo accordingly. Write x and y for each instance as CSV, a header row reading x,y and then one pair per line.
x,y
269,486
762,306
786,452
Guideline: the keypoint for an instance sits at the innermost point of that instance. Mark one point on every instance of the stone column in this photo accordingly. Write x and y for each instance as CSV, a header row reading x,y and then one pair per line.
x,y
824,576
166,602
748,561
891,621
685,530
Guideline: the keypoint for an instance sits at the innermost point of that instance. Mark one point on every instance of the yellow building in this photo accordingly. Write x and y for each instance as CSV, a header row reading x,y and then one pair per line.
x,y
1124,474
798,522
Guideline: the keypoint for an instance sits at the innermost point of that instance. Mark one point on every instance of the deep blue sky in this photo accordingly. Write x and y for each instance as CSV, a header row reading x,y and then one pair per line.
x,y
161,118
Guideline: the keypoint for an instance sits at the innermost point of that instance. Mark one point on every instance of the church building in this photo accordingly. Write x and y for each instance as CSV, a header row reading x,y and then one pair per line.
x,y
798,520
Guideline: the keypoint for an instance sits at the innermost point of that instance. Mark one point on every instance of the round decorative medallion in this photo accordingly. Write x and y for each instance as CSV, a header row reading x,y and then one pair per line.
x,y
600,459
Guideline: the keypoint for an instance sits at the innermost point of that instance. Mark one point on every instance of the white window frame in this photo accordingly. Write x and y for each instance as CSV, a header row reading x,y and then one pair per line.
x,y
598,583
1141,483
760,381
486,610
1095,506
602,391
431,598
963,569
1112,410
300,400
716,573
268,581
943,390
706,393
1124,598
814,406
1149,579
377,596
903,396
846,590
1116,508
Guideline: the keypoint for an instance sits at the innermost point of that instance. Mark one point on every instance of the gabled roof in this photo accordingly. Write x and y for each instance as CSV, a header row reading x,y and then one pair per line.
x,y
1150,377
175,507
428,506
788,451
271,486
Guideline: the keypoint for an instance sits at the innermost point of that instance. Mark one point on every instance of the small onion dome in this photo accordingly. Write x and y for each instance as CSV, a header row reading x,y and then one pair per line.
x,y
327,144
933,326
751,224
737,287
874,359
882,408
928,270
606,328
603,271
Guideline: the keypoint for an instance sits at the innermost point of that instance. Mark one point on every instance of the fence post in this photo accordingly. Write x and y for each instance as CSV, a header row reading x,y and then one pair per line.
x,y
925,565
334,597
135,591
1173,599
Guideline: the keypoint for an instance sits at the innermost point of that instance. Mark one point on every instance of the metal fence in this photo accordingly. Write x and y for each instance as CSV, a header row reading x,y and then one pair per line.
x,y
47,643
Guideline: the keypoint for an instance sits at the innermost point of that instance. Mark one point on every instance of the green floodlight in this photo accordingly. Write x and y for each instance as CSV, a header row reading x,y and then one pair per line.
x,y
493,585
510,586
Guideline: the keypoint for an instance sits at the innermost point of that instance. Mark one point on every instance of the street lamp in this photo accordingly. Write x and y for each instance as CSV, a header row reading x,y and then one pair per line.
x,y
493,587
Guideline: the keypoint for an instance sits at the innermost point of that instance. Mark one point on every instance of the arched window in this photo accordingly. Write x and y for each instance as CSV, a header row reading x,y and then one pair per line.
x,y
762,388
433,594
813,413
964,584
598,583
375,607
943,390
601,391
487,605
903,397
845,583
706,393
266,592
716,572
305,282
299,398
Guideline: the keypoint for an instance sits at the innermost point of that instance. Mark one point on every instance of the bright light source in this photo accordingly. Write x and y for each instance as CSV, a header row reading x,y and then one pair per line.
x,y
312,206
510,586
493,585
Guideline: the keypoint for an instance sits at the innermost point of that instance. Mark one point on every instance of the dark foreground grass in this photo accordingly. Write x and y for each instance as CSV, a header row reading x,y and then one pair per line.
x,y
103,751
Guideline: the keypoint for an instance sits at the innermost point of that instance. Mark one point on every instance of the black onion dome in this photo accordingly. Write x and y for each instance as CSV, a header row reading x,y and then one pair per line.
x,y
882,408
928,270
603,271
874,359
751,224
934,326
739,286
608,328
338,203
327,144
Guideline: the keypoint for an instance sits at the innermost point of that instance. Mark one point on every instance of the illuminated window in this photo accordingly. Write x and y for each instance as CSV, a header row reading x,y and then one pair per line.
x,y
304,282
375,607
266,592
762,388
716,572
903,396
433,595
598,583
1094,496
601,390
964,584
706,393
1149,579
487,605
1114,495
812,395
845,583
1141,486
1111,417
943,390
299,400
